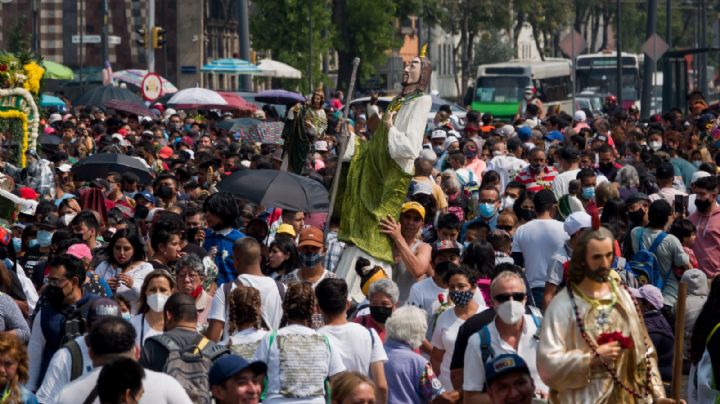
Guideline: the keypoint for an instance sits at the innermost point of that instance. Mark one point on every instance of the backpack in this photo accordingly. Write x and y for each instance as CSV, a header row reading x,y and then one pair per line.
x,y
190,365
486,350
644,263
76,360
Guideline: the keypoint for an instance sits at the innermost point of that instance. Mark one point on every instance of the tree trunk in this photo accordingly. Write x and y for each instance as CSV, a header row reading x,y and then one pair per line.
x,y
536,37
594,29
606,27
520,21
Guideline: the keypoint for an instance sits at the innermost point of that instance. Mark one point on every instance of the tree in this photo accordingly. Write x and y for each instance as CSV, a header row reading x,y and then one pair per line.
x,y
284,27
492,48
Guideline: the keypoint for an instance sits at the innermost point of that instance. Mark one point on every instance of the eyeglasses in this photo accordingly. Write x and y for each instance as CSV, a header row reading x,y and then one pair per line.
x,y
504,297
192,276
55,282
507,228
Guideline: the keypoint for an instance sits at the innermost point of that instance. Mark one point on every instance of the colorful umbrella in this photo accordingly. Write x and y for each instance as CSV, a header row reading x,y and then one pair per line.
x,y
56,71
197,98
282,97
135,77
49,101
237,103
230,66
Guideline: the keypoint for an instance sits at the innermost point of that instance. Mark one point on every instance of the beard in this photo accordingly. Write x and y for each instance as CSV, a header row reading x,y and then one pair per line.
x,y
599,275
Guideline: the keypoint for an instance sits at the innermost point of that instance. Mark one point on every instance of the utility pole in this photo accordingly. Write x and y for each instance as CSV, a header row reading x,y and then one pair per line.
x,y
105,33
35,27
667,93
82,43
703,44
310,54
149,50
244,37
618,46
650,64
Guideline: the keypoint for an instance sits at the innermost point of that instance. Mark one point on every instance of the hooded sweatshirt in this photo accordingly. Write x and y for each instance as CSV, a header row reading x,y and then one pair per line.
x,y
696,297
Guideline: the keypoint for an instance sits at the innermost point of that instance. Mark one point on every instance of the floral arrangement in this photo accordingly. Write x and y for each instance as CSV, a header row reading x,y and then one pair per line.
x,y
34,74
607,337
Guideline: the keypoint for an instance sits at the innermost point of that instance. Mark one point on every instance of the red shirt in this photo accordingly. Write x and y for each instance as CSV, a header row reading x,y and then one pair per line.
x,y
536,183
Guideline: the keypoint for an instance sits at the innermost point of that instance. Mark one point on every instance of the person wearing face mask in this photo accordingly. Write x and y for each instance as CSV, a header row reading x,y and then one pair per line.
x,y
39,250
574,225
637,205
472,161
180,320
383,296
62,318
511,194
588,182
156,290
530,98
538,175
707,222
311,255
594,307
511,332
461,290
607,165
665,178
654,141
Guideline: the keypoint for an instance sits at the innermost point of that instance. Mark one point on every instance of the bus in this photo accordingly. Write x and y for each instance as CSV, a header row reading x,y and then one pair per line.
x,y
598,72
499,87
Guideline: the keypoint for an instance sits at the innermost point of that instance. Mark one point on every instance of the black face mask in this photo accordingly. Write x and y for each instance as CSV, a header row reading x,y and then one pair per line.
x,y
527,214
703,204
164,192
637,217
606,167
380,313
54,295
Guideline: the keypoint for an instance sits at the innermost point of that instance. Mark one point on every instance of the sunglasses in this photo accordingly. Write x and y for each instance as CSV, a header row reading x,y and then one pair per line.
x,y
504,297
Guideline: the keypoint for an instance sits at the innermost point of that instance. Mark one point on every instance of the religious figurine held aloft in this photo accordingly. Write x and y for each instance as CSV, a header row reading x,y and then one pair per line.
x,y
594,347
305,124
380,171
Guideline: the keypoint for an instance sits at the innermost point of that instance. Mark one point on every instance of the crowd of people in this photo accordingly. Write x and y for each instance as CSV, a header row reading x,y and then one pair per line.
x,y
517,242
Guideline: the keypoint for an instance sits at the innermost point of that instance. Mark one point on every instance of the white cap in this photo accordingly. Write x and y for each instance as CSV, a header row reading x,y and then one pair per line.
x,y
438,134
168,112
28,206
450,140
579,116
428,154
54,117
65,168
697,175
321,145
576,222
506,131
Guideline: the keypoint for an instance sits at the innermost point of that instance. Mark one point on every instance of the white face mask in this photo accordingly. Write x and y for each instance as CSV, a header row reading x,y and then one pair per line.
x,y
511,311
655,146
508,202
67,218
157,301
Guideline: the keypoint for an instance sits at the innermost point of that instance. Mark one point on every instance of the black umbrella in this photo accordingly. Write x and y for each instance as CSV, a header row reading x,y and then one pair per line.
x,y
278,189
101,164
49,140
98,96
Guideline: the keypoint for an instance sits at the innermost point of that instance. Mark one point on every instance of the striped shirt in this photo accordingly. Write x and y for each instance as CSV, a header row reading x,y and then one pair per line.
x,y
535,183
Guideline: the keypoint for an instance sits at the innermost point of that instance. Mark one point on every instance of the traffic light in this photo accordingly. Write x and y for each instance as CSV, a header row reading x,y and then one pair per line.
x,y
158,37
142,38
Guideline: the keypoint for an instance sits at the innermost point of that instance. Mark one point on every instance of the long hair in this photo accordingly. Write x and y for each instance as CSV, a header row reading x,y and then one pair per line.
x,y
11,345
142,303
244,307
299,303
578,262
287,246
708,318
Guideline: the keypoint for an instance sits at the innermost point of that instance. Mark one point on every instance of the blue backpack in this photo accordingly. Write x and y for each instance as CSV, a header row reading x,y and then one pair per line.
x,y
644,263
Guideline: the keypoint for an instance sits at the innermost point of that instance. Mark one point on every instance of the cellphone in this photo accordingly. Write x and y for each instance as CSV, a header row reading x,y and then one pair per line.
x,y
191,233
681,204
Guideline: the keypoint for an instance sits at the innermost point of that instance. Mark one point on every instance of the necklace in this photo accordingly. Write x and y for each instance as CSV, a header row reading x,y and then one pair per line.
x,y
602,309
647,385
398,102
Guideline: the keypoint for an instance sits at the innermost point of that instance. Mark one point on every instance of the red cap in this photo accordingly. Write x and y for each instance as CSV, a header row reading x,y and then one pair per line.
x,y
165,152
122,131
28,193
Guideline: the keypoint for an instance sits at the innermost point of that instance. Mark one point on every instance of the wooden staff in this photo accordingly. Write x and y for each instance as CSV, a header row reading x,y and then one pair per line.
x,y
679,348
344,137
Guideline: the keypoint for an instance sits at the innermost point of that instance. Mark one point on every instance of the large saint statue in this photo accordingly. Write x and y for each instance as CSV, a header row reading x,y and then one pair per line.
x,y
305,125
594,347
380,171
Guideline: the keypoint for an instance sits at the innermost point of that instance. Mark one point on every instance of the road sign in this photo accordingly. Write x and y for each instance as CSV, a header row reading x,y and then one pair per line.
x,y
572,44
151,87
114,40
86,39
655,47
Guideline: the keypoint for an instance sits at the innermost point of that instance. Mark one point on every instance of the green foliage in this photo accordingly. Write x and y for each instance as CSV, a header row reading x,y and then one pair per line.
x,y
492,48
13,129
283,26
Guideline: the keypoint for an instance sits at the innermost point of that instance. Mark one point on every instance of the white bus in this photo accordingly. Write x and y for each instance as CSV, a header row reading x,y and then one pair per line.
x,y
599,71
499,87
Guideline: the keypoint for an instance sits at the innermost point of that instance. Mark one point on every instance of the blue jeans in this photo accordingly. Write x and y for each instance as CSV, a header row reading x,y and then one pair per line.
x,y
537,296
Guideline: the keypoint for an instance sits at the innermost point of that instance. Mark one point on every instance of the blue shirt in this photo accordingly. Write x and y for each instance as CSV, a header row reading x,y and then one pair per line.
x,y
223,240
410,377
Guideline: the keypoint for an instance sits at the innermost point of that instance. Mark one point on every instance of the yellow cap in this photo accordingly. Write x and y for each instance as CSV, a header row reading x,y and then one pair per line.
x,y
412,205
286,228
379,274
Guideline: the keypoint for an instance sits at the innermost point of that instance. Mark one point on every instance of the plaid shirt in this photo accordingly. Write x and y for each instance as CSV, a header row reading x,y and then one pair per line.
x,y
335,249
535,183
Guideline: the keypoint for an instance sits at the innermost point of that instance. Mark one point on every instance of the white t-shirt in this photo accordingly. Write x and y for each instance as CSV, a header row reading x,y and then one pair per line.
x,y
444,336
538,240
474,370
143,330
561,183
138,274
59,371
322,357
358,346
507,167
246,342
271,303
159,389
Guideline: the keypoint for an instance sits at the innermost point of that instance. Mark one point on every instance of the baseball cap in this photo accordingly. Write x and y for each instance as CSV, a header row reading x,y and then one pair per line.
x,y
524,132
554,135
636,197
412,205
699,174
64,168
54,117
438,134
28,193
230,365
80,251
442,246
311,236
27,207
505,131
145,194
577,221
664,171
165,152
579,116
504,364
286,229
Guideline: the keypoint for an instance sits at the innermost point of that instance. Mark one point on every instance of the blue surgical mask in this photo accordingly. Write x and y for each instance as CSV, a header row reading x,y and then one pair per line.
x,y
187,127
17,243
127,316
697,163
33,243
44,238
487,210
310,260
130,195
588,192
